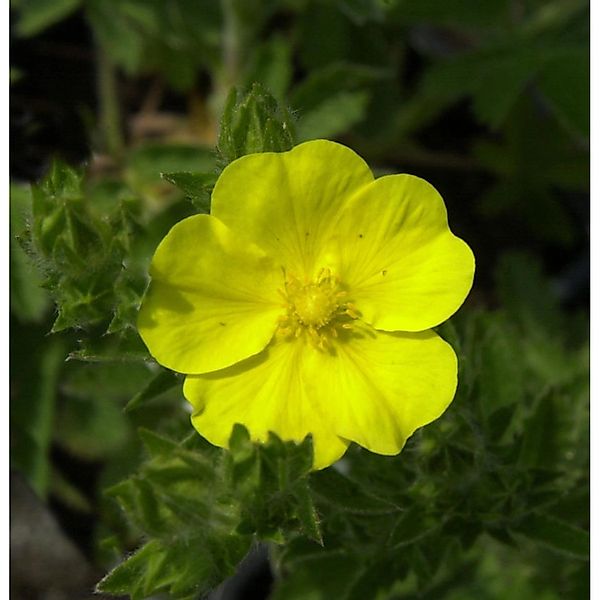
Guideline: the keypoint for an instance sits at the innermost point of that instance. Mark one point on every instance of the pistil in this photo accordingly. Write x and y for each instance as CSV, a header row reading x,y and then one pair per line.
x,y
316,309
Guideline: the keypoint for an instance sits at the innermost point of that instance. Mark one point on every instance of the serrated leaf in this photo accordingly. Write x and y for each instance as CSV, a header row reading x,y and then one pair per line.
x,y
184,567
254,122
127,577
307,513
127,347
192,463
196,186
144,165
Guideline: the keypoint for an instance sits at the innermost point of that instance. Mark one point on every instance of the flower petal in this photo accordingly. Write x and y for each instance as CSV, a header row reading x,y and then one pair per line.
x,y
287,202
404,268
213,299
378,387
264,393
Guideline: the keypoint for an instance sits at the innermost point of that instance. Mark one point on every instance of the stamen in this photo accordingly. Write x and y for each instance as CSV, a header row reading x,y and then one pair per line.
x,y
316,308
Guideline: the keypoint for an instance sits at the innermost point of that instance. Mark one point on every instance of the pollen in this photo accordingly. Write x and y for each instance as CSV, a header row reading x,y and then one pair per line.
x,y
316,309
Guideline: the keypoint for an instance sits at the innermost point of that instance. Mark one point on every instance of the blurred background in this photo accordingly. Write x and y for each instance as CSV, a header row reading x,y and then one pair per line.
x,y
486,99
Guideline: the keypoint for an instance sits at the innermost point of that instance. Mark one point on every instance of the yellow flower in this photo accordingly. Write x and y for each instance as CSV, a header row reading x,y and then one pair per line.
x,y
304,302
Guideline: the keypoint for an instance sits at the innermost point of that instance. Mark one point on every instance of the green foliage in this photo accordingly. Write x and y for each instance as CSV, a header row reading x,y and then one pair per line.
x,y
533,160
79,254
200,509
333,98
495,70
254,122
173,39
32,418
163,381
196,186
36,15
146,165
28,300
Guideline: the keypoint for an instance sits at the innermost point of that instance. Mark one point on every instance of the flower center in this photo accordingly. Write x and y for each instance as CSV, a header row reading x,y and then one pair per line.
x,y
316,309
314,304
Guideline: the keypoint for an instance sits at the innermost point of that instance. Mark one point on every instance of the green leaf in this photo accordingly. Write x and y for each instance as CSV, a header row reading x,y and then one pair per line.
x,y
565,83
173,40
196,186
122,41
333,488
162,381
333,99
36,15
307,513
560,536
254,122
32,409
272,66
323,84
501,378
81,254
126,348
180,499
125,578
321,577
69,494
29,301
334,116
412,526
91,428
494,77
240,445
539,442
271,482
526,294
146,163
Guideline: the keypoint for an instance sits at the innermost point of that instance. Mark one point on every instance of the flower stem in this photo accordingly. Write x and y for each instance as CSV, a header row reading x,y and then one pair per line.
x,y
109,117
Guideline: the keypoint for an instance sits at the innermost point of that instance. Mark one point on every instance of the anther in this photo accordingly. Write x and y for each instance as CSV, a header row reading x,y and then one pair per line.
x,y
315,308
